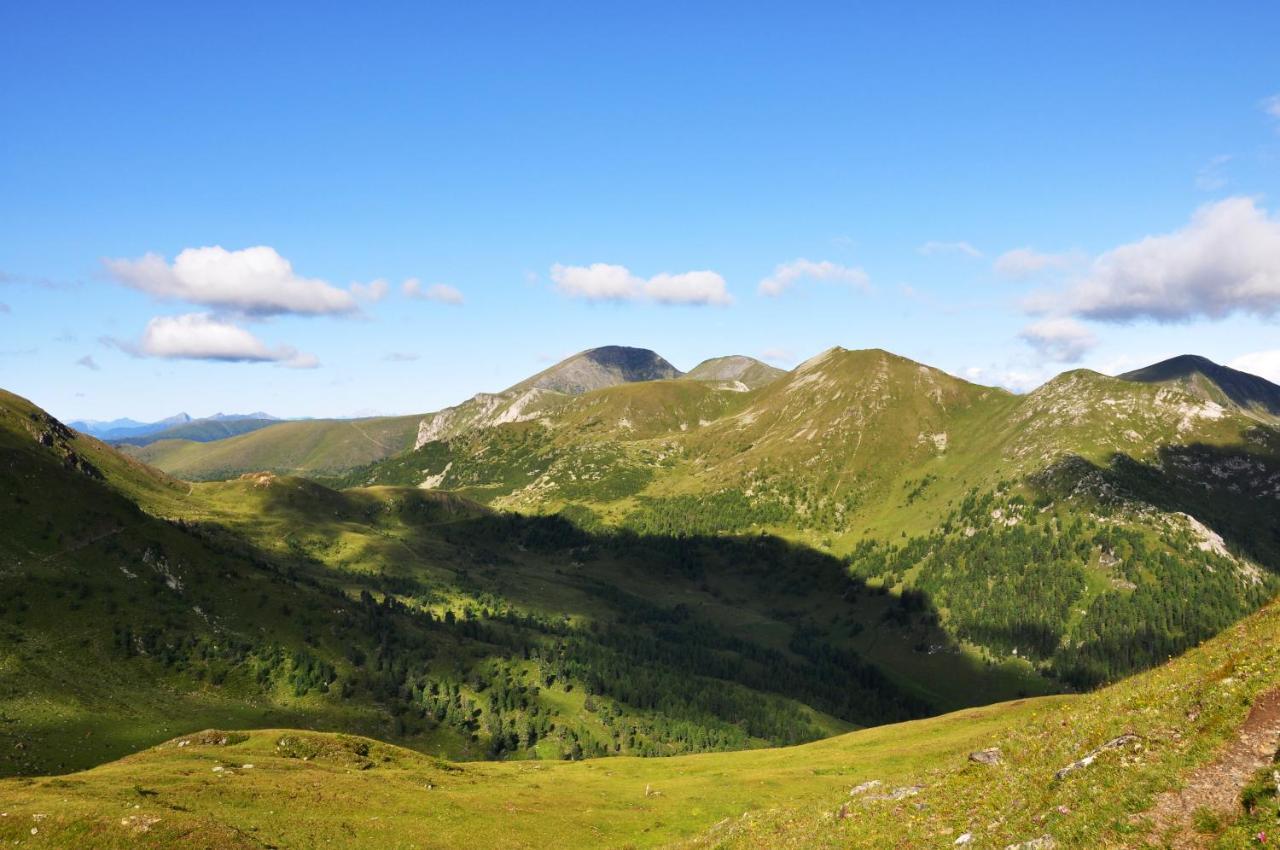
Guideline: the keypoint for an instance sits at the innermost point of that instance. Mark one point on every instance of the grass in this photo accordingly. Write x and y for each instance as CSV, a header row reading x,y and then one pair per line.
x,y
318,447
406,800
357,793
281,562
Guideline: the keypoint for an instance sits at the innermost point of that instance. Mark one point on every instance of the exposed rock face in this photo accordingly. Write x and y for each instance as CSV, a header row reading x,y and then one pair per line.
x,y
483,410
589,370
52,434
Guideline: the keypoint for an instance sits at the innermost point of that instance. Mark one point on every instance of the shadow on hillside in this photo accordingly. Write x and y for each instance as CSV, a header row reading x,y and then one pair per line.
x,y
1231,490
793,612
696,638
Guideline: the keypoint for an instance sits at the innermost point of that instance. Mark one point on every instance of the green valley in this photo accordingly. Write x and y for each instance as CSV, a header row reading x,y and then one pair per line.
x,y
647,565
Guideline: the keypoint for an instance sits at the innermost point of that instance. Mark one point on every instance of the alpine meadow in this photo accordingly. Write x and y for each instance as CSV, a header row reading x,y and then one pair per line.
x,y
889,453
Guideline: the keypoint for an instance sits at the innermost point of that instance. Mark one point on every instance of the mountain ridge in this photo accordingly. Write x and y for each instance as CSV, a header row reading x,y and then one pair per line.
x,y
1214,382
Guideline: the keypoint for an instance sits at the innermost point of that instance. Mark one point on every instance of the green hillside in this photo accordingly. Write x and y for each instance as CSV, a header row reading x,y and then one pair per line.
x,y
311,447
201,431
1179,756
735,372
1089,528
424,619
654,568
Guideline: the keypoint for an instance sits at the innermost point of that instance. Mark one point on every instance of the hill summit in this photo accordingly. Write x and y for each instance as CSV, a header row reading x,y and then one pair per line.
x,y
1213,382
736,371
597,368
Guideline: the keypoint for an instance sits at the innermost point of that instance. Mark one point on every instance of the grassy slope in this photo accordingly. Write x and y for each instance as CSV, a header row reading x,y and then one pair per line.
x,y
1182,714
201,431
318,447
271,561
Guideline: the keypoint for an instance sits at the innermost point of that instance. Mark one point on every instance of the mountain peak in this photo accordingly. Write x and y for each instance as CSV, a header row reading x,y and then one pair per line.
x,y
736,369
1212,381
601,367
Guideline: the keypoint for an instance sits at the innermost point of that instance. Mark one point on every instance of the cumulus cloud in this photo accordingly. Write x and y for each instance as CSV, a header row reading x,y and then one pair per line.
x,y
255,281
200,336
607,282
931,249
374,290
1264,364
1061,340
596,282
1027,262
1226,260
696,287
88,362
400,357
787,275
442,293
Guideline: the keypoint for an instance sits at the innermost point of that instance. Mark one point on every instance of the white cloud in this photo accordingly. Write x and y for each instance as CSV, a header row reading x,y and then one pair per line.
x,y
1264,364
778,355
200,336
1026,262
400,357
1061,340
787,275
1271,105
697,287
930,249
596,282
1226,260
608,282
88,362
441,292
1013,379
374,290
1210,177
253,280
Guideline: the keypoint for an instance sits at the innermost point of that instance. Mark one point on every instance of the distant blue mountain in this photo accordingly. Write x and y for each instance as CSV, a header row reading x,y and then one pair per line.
x,y
128,430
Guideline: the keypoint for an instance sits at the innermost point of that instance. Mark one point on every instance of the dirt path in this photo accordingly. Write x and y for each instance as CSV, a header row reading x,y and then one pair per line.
x,y
365,434
80,544
1217,785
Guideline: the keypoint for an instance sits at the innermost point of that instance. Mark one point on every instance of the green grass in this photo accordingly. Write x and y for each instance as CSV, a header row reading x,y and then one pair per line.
x,y
211,614
317,447
355,793
272,601
402,799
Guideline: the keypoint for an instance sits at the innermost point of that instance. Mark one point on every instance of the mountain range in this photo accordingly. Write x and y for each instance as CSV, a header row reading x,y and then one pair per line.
x,y
179,426
615,558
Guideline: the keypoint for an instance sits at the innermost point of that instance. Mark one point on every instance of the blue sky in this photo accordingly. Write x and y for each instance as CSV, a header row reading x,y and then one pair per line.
x,y
878,163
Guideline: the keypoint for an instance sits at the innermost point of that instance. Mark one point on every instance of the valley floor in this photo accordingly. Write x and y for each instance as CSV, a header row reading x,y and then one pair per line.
x,y
1085,771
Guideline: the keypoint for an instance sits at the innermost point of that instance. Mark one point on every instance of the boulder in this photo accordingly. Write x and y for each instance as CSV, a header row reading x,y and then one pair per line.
x,y
989,756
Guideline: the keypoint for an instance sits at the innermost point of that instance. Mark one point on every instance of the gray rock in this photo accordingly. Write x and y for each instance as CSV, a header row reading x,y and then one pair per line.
x,y
989,756
1044,842
1092,756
